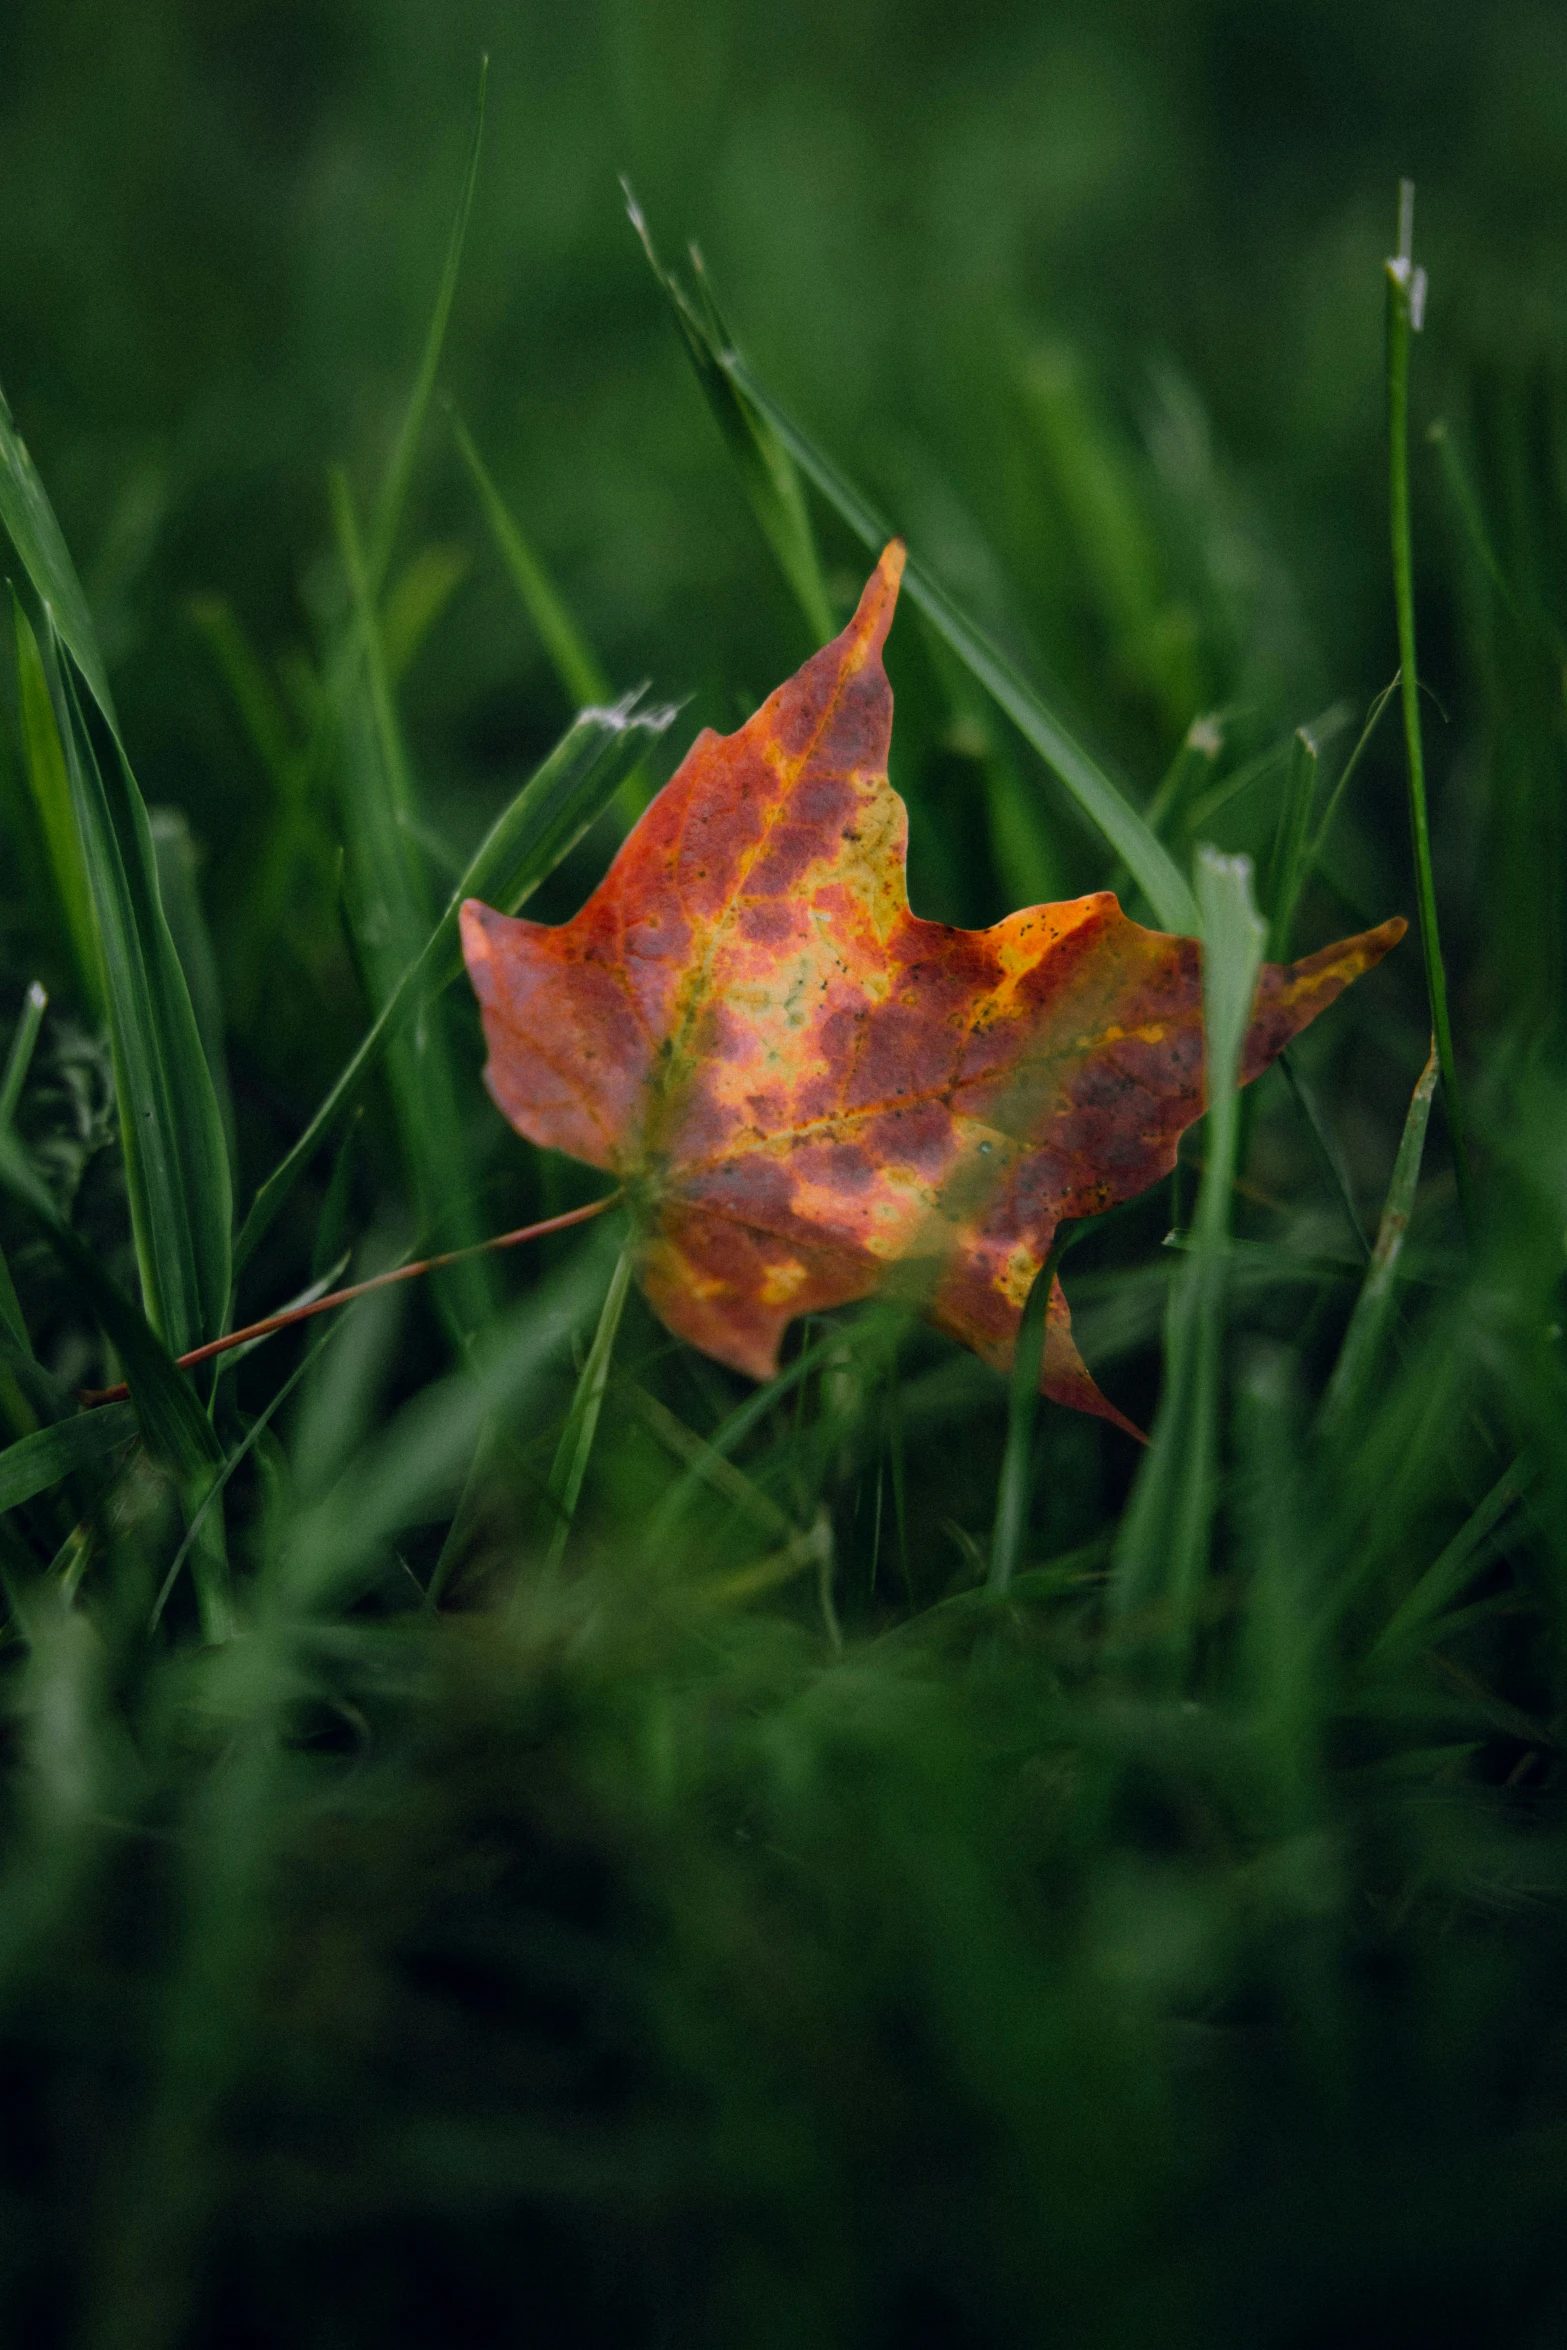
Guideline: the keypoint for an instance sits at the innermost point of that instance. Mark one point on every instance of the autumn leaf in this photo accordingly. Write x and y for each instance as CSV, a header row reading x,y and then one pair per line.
x,y
802,1086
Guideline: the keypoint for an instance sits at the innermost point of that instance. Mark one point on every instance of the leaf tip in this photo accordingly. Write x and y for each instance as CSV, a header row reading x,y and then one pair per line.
x,y
879,601
472,920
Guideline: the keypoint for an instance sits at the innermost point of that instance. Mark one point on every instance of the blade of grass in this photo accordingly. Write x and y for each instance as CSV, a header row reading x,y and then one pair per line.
x,y
371,669
299,773
296,844
527,841
20,1058
696,1453
571,656
1405,308
254,696
39,1461
399,472
424,1454
1336,796
332,1225
1161,1553
201,2026
50,784
464,1518
1022,848
240,1453
1466,505
174,854
176,1158
1327,1150
712,354
47,1398
14,1324
1287,866
171,1130
812,1548
1456,1565
1358,1356
174,1428
29,521
1099,799
297,770
415,602
69,1754
761,456
1236,784
897,1458
177,1431
71,1561
1017,1463
733,1432
1201,745
391,913
1101,802
575,1449
177,1165
1280,1662
1105,501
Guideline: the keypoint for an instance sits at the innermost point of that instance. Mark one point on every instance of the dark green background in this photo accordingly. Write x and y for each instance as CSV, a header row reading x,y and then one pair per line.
x,y
221,224
642,1968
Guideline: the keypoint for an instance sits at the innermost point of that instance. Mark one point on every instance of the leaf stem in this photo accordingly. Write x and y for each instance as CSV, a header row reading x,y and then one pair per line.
x,y
342,1297
576,1442
1405,303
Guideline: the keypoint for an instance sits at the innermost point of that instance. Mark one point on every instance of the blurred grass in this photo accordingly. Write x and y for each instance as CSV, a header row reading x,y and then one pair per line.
x,y
595,1849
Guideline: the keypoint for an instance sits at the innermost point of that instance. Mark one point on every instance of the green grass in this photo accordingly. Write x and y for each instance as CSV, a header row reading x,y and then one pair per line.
x,y
510,1831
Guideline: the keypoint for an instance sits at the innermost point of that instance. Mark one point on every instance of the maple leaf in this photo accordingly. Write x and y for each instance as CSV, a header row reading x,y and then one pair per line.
x,y
801,1085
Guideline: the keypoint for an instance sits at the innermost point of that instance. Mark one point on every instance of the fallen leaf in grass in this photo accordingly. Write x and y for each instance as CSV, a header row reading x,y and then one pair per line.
x,y
802,1086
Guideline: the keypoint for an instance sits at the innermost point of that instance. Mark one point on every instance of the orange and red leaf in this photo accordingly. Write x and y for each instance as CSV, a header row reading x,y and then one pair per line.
x,y
802,1085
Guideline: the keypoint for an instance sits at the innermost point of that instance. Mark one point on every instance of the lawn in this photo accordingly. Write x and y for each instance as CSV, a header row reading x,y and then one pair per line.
x,y
512,1828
